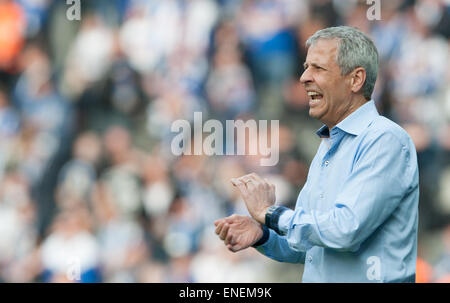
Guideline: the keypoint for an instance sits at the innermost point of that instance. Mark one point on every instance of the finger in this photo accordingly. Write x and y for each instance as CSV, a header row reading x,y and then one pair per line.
x,y
234,181
239,179
271,186
224,231
234,248
245,178
219,227
252,185
229,239
218,221
239,182
230,247
231,219
257,177
257,180
243,189
234,240
264,182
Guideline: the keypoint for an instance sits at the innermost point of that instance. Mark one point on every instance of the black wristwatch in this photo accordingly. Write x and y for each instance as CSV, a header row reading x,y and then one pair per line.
x,y
269,214
272,215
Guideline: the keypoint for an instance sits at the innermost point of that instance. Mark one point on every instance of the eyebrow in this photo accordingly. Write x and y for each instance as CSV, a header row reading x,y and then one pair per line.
x,y
305,65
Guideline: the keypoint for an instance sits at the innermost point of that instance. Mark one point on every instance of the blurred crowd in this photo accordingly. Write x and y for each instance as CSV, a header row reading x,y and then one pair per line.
x,y
89,188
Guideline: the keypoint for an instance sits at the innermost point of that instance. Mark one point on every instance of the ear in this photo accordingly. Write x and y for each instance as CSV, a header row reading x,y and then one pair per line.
x,y
358,79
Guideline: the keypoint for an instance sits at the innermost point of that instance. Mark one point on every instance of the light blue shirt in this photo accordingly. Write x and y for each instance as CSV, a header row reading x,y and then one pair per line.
x,y
356,217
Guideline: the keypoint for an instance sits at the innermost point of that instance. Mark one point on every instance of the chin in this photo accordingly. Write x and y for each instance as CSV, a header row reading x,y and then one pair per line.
x,y
313,113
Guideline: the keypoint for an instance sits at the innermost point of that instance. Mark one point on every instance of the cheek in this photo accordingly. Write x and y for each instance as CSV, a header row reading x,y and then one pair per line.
x,y
336,89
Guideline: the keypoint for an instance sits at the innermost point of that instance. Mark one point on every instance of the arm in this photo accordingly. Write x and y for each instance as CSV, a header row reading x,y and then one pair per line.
x,y
277,248
383,174
240,232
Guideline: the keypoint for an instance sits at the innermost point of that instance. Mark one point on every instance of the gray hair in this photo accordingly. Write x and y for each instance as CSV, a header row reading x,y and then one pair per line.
x,y
355,50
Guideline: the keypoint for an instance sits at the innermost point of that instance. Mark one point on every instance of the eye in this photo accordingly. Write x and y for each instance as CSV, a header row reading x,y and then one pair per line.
x,y
314,66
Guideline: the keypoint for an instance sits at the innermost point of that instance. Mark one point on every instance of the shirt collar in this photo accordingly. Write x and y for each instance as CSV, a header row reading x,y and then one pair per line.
x,y
356,122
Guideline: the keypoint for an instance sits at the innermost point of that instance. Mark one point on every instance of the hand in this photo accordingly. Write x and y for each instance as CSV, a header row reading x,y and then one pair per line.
x,y
238,232
258,194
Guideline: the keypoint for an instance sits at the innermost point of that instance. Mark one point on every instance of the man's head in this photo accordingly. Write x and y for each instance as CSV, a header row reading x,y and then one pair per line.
x,y
340,72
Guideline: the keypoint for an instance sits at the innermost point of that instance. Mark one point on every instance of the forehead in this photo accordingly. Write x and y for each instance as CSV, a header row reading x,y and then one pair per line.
x,y
323,51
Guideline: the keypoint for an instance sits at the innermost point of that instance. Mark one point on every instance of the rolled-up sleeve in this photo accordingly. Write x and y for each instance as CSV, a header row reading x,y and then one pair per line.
x,y
381,176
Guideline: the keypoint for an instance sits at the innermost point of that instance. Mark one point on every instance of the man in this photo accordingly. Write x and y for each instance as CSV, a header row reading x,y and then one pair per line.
x,y
356,217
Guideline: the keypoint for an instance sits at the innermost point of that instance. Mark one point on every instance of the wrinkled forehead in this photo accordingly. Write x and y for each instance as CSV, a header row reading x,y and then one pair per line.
x,y
323,51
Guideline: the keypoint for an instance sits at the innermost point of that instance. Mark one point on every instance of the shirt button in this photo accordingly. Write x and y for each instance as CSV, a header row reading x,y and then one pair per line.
x,y
321,196
309,259
327,162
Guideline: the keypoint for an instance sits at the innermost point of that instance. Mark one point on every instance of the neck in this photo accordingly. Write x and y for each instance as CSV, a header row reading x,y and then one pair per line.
x,y
354,103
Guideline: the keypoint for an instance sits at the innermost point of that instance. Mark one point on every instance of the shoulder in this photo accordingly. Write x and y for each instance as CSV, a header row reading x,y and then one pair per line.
x,y
386,139
383,129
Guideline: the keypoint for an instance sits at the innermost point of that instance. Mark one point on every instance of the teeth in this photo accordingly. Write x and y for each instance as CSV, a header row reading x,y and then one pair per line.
x,y
313,94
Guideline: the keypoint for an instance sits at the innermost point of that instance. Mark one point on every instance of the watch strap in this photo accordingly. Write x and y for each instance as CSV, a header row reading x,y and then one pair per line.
x,y
264,238
272,217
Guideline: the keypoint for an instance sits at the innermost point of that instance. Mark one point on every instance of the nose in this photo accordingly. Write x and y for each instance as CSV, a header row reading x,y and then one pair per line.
x,y
306,77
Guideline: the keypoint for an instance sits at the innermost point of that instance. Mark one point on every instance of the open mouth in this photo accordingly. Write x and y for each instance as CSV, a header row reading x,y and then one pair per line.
x,y
315,96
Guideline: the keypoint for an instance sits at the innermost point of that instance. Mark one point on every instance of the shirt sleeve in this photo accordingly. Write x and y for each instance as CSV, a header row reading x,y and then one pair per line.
x,y
277,248
383,173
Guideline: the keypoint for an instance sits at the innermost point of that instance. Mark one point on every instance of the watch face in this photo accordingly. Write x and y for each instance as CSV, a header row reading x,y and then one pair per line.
x,y
271,209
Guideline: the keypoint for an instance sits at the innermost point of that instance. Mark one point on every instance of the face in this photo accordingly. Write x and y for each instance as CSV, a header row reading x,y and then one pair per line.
x,y
330,93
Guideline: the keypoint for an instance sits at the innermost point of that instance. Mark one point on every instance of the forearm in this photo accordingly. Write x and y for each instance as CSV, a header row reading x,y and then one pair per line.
x,y
337,229
277,248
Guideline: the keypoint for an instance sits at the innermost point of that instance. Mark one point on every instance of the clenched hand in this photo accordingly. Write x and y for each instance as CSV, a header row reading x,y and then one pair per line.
x,y
238,232
258,194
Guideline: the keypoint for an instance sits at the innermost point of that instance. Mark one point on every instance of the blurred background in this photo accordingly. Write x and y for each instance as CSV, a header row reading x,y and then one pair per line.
x,y
89,188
